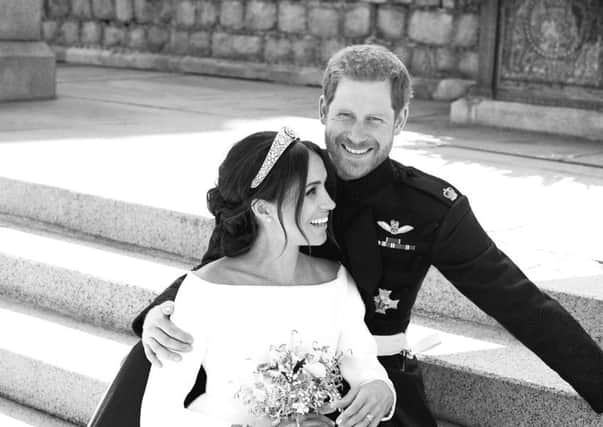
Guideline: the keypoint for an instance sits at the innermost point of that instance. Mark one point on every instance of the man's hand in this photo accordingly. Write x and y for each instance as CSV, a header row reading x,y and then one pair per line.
x,y
365,405
161,338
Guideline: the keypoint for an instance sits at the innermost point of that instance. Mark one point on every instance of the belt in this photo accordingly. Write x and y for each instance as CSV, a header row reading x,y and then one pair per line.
x,y
388,345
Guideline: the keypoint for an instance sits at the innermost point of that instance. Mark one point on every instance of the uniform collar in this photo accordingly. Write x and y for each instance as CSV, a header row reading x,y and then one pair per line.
x,y
368,186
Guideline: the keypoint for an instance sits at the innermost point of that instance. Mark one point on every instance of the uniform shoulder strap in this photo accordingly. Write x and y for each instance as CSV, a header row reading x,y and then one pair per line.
x,y
425,183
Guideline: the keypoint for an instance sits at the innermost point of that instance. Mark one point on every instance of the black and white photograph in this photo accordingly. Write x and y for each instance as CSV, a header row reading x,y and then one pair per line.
x,y
301,213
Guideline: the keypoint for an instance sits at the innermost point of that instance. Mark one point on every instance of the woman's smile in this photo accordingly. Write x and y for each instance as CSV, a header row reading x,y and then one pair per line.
x,y
320,222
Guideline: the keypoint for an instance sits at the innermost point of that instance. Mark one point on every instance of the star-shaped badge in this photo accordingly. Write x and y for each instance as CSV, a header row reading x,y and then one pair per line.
x,y
383,302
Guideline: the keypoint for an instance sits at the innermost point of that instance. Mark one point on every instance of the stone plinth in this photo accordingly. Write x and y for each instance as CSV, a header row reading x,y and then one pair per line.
x,y
540,118
27,71
20,19
27,65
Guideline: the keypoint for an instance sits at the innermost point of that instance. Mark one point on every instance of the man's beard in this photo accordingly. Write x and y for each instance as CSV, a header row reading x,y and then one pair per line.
x,y
347,169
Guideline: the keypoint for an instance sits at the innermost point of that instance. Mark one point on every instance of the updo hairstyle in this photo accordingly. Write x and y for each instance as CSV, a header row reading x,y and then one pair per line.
x,y
230,200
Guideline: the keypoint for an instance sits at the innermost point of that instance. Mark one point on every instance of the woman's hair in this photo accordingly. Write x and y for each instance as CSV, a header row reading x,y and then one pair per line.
x,y
230,200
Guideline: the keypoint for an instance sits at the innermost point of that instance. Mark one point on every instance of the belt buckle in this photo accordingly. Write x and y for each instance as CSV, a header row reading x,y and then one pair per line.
x,y
406,354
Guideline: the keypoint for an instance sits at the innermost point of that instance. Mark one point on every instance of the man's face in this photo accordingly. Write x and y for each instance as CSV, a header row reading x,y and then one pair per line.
x,y
360,126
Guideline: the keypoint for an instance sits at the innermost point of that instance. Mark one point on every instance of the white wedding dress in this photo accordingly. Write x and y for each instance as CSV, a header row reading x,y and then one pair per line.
x,y
233,328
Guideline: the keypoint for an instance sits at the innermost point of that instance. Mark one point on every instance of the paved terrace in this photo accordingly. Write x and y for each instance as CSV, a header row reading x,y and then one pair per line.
x,y
156,139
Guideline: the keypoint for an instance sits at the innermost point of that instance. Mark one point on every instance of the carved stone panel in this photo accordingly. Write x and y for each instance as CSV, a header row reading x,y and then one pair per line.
x,y
551,51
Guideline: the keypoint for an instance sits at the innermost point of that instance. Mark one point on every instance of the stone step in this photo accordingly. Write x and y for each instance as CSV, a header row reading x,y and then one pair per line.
x,y
16,415
482,376
78,276
54,364
106,283
123,221
477,376
581,295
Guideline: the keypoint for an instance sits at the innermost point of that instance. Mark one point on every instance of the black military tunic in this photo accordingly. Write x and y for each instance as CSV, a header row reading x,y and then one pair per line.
x,y
390,227
394,223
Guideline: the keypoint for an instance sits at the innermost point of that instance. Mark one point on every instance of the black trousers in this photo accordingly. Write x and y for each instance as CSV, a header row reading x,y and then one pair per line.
x,y
120,406
412,409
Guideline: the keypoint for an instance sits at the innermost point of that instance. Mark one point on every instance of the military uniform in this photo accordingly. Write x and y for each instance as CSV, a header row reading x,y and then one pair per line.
x,y
397,221
390,227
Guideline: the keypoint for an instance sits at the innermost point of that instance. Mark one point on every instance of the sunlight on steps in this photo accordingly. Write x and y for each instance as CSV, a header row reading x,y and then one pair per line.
x,y
67,348
444,343
81,256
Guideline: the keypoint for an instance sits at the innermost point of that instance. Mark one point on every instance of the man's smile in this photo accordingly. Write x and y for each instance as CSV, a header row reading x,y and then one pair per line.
x,y
356,151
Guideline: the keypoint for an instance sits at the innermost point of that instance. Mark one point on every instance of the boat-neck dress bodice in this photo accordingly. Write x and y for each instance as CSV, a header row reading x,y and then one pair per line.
x,y
234,326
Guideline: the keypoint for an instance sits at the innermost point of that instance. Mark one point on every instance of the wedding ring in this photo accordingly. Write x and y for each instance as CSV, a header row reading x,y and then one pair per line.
x,y
369,417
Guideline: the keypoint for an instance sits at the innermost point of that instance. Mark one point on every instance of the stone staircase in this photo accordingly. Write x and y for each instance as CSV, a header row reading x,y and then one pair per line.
x,y
75,268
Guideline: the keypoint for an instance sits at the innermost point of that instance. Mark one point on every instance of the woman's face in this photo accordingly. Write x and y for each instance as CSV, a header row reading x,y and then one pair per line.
x,y
315,210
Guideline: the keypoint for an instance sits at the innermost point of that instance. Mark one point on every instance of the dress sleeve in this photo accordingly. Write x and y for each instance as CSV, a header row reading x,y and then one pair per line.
x,y
359,364
467,257
168,386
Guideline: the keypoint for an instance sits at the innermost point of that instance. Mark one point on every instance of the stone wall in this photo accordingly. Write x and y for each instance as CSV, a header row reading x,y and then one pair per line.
x,y
289,37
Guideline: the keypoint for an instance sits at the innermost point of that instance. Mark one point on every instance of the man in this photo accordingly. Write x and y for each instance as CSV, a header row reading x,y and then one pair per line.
x,y
391,223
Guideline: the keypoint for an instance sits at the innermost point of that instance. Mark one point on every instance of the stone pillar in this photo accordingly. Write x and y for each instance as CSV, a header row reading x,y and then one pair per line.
x,y
27,64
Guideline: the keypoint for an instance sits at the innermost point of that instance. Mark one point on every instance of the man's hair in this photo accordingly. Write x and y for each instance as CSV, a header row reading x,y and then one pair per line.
x,y
368,62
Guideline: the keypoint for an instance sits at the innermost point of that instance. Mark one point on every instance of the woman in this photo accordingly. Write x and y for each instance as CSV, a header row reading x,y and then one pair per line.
x,y
270,200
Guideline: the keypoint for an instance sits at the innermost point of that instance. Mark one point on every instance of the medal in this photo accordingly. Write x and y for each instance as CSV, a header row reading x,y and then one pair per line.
x,y
383,302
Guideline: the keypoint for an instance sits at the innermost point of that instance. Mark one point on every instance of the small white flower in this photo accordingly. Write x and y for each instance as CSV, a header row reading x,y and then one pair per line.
x,y
300,408
316,369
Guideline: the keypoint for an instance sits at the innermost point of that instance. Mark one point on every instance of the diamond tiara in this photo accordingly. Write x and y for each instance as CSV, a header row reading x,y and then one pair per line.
x,y
282,140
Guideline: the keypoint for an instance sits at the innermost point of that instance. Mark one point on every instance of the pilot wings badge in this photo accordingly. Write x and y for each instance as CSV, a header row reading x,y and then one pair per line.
x,y
394,227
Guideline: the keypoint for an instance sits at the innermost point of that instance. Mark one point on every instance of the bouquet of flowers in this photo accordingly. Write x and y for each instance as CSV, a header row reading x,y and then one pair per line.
x,y
293,382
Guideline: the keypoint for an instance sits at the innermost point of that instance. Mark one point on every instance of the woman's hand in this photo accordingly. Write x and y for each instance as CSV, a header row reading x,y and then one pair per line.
x,y
365,405
161,338
308,421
